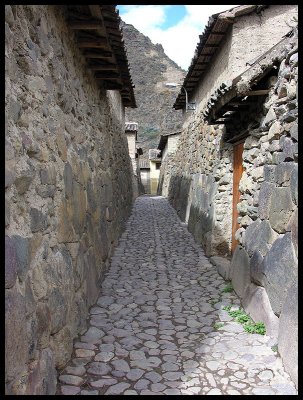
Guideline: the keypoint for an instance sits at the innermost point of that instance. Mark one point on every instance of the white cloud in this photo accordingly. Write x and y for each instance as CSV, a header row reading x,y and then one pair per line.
x,y
179,41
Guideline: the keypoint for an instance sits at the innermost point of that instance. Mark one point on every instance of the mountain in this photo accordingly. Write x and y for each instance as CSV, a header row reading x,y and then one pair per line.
x,y
150,69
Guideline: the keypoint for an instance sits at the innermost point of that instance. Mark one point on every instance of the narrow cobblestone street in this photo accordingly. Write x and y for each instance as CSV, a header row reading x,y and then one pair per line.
x,y
159,326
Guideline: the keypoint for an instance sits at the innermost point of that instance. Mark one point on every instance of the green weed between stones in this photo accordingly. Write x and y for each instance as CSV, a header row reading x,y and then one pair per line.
x,y
228,288
274,348
248,324
218,325
213,302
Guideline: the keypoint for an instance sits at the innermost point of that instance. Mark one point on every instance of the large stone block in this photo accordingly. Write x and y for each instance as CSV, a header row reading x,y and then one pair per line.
x,y
256,303
280,268
68,180
42,379
43,316
62,346
10,263
46,190
292,226
294,184
256,268
294,131
240,271
268,173
288,332
61,144
7,213
23,181
60,281
259,236
15,336
283,173
38,220
281,207
66,231
48,176
223,266
78,207
22,248
9,176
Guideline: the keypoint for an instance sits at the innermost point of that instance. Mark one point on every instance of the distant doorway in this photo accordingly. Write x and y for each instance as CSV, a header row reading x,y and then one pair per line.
x,y
238,170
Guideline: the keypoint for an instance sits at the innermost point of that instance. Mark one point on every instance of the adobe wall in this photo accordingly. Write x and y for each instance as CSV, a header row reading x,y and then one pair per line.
x,y
67,193
249,37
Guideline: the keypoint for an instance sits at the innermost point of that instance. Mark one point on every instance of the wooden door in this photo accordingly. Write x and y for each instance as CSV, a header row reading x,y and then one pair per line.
x,y
238,169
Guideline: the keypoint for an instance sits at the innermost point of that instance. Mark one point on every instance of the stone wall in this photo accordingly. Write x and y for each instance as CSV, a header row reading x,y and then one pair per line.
x,y
264,266
197,179
67,193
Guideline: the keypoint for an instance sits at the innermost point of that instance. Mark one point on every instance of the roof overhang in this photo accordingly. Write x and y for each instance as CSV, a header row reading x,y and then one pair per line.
x,y
232,96
210,40
164,139
99,37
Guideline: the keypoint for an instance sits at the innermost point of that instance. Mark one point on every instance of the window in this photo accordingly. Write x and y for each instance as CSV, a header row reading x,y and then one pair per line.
x,y
158,165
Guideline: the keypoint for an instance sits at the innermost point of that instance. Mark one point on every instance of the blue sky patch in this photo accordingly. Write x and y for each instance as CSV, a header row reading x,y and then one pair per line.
x,y
173,15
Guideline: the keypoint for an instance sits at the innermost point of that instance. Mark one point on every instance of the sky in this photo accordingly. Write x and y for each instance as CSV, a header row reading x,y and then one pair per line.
x,y
175,27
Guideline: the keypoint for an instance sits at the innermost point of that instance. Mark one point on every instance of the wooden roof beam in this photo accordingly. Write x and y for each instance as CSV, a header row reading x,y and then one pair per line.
x,y
261,92
110,67
78,25
97,44
100,55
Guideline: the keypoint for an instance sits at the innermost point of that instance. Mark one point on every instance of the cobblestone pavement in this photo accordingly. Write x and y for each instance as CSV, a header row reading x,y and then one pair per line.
x,y
152,328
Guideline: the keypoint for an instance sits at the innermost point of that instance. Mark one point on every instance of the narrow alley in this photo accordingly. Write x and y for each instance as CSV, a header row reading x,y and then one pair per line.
x,y
159,325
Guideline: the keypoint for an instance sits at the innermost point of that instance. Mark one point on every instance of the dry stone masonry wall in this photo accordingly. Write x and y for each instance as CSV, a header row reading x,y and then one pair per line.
x,y
268,211
67,193
197,179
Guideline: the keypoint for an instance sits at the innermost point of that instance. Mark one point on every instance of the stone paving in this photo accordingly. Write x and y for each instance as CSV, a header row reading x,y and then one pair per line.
x,y
152,329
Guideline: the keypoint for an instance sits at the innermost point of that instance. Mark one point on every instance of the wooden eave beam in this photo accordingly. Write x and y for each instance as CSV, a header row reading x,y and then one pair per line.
x,y
102,55
103,67
261,92
106,75
89,25
96,45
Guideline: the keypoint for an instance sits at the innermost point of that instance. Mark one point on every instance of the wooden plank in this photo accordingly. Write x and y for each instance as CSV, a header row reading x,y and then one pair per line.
x,y
110,67
260,92
79,16
112,86
237,173
104,77
102,55
85,44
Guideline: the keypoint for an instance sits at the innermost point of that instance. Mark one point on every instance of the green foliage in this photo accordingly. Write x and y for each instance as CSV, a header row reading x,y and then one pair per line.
x,y
257,327
228,288
218,325
274,348
248,324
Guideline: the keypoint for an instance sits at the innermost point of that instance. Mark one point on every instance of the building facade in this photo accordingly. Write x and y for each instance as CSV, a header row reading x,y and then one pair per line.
x,y
68,179
154,168
167,145
131,131
233,177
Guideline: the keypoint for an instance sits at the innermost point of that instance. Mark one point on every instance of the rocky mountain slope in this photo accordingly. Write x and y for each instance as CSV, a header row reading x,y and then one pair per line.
x,y
151,68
